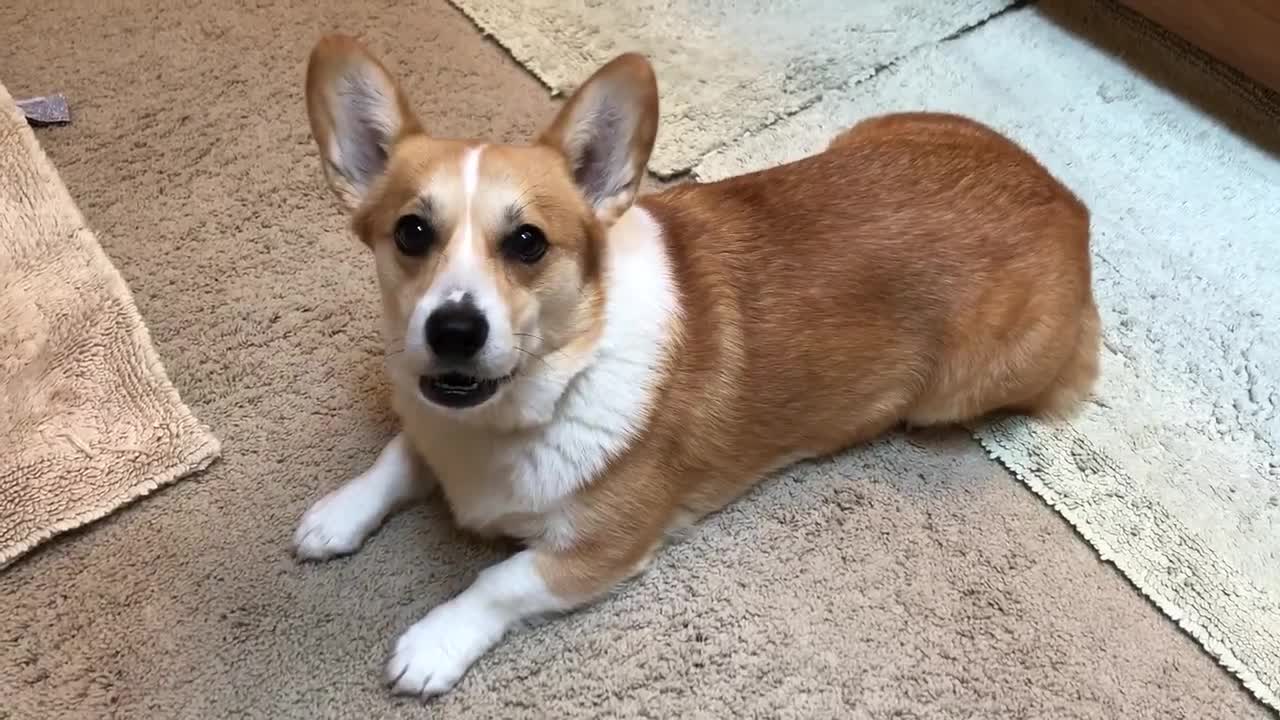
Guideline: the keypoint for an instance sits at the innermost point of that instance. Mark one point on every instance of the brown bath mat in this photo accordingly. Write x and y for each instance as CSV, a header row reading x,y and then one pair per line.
x,y
88,418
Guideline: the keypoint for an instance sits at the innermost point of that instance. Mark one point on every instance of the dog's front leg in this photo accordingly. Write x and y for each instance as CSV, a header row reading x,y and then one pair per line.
x,y
436,651
339,523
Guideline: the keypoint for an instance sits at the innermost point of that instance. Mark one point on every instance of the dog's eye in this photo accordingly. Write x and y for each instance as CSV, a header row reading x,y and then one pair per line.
x,y
527,244
414,235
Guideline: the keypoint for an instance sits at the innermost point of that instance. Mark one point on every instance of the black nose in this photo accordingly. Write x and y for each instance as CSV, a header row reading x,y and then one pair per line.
x,y
456,331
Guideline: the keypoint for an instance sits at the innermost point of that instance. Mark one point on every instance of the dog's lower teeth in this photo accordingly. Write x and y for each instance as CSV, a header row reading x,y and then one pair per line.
x,y
457,390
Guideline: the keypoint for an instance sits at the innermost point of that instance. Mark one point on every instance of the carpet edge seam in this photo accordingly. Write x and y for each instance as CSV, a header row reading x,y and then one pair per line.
x,y
1172,610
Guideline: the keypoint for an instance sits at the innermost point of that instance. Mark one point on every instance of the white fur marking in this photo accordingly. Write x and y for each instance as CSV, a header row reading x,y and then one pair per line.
x,y
471,172
469,249
434,653
339,522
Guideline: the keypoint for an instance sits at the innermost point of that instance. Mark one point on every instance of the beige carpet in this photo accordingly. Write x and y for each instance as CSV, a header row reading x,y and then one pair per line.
x,y
88,418
1174,472
912,579
726,67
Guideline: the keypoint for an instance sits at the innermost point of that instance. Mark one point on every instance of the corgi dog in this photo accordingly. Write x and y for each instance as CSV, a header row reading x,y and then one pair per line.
x,y
586,371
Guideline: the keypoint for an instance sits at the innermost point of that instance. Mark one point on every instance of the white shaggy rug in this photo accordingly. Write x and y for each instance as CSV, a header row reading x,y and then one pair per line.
x,y
727,67
1173,473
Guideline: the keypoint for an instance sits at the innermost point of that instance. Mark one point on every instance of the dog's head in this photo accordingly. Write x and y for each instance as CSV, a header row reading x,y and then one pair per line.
x,y
490,256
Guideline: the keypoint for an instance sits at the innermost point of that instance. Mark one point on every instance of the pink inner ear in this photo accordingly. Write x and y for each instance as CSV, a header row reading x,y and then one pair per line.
x,y
366,122
601,146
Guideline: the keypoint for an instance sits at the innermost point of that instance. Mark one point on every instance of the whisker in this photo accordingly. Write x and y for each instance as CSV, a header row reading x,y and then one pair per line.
x,y
537,357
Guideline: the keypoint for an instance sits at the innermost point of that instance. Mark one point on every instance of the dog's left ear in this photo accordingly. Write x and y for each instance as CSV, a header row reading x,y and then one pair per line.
x,y
606,132
357,113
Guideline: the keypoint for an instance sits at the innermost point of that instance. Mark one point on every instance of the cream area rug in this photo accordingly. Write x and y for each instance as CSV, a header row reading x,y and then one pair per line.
x,y
726,67
1173,472
88,418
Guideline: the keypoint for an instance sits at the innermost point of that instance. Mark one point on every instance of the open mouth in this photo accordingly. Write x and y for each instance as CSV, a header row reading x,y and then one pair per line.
x,y
457,390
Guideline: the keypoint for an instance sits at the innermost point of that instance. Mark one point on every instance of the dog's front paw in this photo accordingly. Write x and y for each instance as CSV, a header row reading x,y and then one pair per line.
x,y
336,525
436,651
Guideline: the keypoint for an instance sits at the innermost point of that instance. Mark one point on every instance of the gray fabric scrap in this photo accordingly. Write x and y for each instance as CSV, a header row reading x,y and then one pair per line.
x,y
46,110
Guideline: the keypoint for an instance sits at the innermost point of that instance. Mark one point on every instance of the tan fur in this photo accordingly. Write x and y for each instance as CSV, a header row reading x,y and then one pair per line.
x,y
921,270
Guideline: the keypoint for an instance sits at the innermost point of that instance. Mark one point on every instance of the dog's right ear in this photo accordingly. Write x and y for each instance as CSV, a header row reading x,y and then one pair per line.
x,y
357,113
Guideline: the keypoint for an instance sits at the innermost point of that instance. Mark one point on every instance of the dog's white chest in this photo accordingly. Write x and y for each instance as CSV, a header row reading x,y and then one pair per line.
x,y
519,485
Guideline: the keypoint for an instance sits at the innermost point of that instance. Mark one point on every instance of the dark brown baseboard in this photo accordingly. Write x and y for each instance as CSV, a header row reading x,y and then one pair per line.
x,y
1244,34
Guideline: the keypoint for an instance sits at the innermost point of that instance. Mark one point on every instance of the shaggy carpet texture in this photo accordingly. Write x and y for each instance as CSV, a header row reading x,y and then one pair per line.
x,y
726,67
88,417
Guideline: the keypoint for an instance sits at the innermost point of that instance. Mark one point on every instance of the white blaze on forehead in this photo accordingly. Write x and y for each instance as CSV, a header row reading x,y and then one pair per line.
x,y
471,171
469,247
